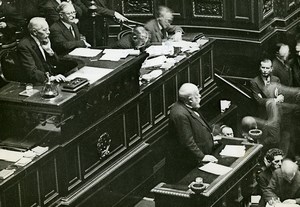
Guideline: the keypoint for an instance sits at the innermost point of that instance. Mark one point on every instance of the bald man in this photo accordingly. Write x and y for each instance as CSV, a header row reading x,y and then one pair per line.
x,y
161,29
190,140
284,185
36,55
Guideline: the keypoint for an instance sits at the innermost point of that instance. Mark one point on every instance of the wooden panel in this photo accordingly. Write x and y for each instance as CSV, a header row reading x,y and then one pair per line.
x,y
207,67
182,76
11,196
243,10
73,176
157,104
194,72
208,8
138,8
268,8
49,181
145,113
97,144
177,6
31,189
170,92
132,125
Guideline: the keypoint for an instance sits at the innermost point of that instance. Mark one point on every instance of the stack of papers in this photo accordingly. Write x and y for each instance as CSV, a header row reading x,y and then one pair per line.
x,y
157,50
40,150
85,52
154,62
215,168
10,156
233,151
117,54
23,161
5,173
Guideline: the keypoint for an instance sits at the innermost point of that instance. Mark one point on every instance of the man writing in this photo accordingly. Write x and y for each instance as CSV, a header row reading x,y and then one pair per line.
x,y
190,140
160,28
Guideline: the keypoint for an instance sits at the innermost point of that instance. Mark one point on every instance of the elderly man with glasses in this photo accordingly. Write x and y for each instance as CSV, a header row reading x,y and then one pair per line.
x,y
284,186
65,34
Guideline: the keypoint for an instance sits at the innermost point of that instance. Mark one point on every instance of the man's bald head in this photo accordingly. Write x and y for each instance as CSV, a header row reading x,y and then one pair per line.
x,y
289,169
189,94
248,123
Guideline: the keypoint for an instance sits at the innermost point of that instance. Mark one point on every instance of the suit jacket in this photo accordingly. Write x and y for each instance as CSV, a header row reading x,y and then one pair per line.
x,y
63,40
48,9
283,72
263,180
189,140
156,34
101,8
259,90
33,62
279,187
295,66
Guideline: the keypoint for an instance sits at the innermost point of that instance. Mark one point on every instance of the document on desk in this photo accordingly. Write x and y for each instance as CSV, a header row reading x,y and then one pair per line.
x,y
10,155
216,169
117,54
92,74
85,52
154,62
233,151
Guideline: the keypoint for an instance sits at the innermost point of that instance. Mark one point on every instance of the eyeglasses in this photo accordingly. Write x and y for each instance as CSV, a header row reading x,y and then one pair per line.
x,y
70,13
277,161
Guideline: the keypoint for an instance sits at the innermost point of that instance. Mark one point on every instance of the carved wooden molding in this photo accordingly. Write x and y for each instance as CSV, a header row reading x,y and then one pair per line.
x,y
208,8
267,8
137,7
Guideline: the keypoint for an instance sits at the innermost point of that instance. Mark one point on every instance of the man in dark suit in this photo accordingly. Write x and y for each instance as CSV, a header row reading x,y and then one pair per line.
x,y
139,39
64,34
272,161
10,21
284,185
48,9
36,55
160,28
190,141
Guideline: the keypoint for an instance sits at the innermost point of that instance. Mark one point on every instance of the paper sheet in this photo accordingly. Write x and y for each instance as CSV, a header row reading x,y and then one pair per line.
x,y
85,52
91,73
215,168
117,54
10,156
154,62
233,151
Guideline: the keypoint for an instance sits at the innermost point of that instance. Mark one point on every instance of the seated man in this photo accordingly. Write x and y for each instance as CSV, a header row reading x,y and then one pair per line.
x,y
190,139
36,55
284,185
160,28
64,34
272,161
226,131
10,21
138,39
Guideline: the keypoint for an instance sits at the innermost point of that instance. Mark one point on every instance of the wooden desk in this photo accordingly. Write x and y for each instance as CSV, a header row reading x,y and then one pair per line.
x,y
224,190
114,112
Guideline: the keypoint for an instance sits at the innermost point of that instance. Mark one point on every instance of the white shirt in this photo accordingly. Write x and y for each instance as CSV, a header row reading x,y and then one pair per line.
x,y
40,46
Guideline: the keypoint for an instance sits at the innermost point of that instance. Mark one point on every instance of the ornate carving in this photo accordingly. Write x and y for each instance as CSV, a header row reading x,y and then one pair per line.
x,y
103,145
208,8
268,6
137,7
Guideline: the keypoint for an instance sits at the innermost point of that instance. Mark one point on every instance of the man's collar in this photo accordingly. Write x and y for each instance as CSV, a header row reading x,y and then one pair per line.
x,y
36,40
66,24
159,26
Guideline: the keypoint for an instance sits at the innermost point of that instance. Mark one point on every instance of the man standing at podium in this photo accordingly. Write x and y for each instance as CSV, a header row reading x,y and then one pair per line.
x,y
190,139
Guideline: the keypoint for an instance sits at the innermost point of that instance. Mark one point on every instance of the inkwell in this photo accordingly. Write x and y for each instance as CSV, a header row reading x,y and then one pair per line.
x,y
49,90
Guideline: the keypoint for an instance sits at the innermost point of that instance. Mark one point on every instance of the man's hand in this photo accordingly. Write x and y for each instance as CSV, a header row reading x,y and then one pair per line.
x,y
177,37
279,99
120,17
209,158
217,137
58,78
86,43
3,25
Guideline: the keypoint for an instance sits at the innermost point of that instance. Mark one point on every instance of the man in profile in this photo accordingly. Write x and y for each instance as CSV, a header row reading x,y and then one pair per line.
x,y
161,29
65,34
138,39
36,54
284,185
190,139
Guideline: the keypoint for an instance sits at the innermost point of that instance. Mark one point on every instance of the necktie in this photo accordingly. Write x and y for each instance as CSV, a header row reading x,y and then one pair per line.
x,y
164,33
72,31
